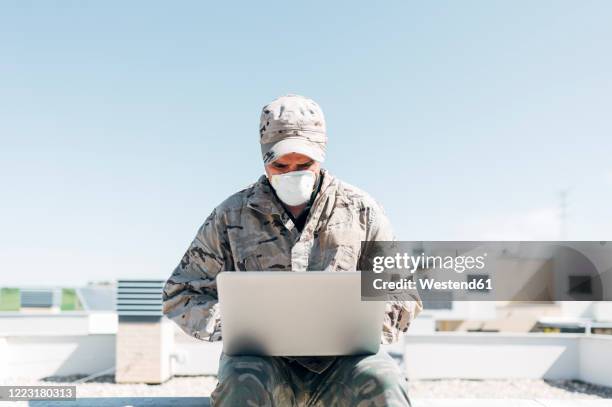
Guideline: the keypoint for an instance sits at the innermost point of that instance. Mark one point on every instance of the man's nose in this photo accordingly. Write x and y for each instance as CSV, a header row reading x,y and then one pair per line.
x,y
290,168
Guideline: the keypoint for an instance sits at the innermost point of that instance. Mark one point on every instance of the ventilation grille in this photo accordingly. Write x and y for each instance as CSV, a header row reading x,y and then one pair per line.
x,y
139,297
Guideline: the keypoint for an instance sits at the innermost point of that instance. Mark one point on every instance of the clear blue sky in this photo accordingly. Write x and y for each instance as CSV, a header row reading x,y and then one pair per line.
x,y
122,124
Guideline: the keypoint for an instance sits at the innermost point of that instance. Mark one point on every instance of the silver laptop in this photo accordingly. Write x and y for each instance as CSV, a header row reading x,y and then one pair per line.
x,y
297,314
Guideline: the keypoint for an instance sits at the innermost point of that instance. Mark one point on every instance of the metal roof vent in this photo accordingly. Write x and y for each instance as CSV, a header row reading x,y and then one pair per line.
x,y
141,298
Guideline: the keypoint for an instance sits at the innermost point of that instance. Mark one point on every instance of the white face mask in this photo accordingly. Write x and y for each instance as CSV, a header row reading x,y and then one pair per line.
x,y
294,188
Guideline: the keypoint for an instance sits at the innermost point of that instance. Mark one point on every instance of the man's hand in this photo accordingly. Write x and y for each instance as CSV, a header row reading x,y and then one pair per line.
x,y
398,315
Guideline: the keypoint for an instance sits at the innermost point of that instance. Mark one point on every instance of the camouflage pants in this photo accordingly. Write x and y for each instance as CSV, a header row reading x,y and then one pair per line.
x,y
370,380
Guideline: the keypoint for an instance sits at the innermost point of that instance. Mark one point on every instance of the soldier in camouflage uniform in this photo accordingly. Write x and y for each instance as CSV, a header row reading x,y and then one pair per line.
x,y
267,227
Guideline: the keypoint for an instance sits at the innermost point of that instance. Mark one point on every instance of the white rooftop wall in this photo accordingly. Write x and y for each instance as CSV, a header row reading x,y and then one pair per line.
x,y
42,356
596,359
492,356
438,355
61,324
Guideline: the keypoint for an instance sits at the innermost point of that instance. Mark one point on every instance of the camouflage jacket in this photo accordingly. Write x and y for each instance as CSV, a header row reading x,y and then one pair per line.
x,y
252,231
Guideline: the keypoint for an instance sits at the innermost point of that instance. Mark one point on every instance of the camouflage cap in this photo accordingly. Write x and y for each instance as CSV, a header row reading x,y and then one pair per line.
x,y
292,124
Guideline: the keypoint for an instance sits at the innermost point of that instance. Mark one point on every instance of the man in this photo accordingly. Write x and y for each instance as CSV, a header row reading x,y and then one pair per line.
x,y
297,217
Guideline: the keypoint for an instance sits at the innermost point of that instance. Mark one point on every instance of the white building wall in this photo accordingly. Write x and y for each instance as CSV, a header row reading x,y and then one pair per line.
x,y
68,323
19,323
42,356
492,356
596,359
602,311
196,358
576,309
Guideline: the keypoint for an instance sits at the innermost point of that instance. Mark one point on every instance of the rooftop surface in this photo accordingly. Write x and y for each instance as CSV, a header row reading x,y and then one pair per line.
x,y
205,402
194,391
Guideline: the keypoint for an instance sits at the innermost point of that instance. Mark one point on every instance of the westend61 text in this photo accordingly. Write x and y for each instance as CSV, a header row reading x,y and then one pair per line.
x,y
433,284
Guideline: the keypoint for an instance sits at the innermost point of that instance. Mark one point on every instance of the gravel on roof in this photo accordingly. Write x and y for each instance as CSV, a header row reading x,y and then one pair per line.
x,y
201,386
